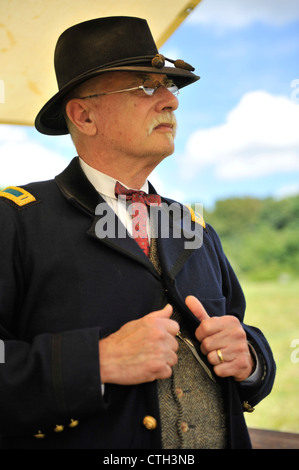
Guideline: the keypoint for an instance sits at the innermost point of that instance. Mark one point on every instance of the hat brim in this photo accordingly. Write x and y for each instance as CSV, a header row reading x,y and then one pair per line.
x,y
50,119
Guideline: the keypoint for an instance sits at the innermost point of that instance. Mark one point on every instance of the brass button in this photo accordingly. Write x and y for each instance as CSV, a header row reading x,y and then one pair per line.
x,y
73,423
179,392
58,428
150,422
247,407
39,435
184,426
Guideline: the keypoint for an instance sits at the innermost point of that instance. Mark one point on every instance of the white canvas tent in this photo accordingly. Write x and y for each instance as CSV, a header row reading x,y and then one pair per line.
x,y
29,30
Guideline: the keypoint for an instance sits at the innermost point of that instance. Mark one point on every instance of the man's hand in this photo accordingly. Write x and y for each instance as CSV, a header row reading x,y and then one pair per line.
x,y
140,351
225,335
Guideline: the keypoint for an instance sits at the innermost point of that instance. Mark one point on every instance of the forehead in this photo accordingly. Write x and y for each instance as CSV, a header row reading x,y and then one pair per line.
x,y
120,78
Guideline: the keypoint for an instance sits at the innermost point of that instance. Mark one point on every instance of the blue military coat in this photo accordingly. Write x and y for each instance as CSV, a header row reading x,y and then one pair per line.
x,y
62,288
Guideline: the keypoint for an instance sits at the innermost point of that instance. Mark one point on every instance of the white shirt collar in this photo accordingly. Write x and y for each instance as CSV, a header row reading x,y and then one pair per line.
x,y
103,183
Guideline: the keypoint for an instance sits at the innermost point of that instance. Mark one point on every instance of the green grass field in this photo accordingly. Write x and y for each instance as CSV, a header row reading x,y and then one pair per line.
x,y
274,308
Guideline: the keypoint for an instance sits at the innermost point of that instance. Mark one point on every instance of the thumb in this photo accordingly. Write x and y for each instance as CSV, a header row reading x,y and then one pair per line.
x,y
196,308
165,312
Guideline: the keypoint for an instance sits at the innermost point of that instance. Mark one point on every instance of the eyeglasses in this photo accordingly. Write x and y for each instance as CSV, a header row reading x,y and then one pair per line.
x,y
149,87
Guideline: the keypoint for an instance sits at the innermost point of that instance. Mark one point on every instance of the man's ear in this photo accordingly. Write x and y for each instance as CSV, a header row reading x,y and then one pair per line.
x,y
81,117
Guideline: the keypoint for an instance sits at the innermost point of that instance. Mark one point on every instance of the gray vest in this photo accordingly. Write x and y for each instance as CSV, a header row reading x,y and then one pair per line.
x,y
191,404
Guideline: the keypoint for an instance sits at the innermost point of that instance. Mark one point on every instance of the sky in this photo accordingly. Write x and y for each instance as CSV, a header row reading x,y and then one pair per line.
x,y
238,126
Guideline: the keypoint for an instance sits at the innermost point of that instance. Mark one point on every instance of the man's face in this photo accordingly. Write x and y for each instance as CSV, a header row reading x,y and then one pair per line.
x,y
132,122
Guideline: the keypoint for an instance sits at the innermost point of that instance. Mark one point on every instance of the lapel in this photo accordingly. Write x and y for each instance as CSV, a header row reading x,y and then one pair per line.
x,y
116,236
178,237
77,189
172,223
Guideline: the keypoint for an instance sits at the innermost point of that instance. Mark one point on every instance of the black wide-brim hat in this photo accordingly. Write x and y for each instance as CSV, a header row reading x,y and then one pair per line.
x,y
101,45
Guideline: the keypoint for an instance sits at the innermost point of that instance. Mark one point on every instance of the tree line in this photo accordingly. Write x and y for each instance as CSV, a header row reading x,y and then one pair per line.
x,y
259,236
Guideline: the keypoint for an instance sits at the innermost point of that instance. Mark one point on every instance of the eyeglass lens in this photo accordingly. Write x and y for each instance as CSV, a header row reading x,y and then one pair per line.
x,y
150,87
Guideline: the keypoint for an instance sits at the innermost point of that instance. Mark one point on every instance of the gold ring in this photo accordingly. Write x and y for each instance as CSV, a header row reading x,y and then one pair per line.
x,y
219,354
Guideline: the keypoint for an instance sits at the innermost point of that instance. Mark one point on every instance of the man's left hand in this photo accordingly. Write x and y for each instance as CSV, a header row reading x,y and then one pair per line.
x,y
223,340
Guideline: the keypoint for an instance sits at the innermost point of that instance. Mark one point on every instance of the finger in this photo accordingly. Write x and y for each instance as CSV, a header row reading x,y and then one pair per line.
x,y
165,312
218,356
196,308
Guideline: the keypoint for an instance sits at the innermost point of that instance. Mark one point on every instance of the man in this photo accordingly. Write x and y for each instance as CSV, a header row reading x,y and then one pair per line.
x,y
110,341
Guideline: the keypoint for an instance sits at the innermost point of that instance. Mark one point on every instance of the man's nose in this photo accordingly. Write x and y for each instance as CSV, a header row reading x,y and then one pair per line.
x,y
166,100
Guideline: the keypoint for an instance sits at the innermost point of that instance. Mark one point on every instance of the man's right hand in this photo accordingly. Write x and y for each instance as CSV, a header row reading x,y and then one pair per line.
x,y
140,351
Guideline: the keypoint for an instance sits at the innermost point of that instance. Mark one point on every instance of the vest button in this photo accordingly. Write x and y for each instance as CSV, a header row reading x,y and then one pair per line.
x,y
150,422
184,426
179,392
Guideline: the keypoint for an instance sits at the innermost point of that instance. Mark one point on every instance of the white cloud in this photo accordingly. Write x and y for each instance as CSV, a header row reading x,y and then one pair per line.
x,y
23,160
240,13
260,137
287,190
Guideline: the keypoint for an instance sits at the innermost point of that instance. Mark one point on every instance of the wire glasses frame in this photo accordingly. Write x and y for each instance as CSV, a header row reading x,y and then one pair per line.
x,y
149,87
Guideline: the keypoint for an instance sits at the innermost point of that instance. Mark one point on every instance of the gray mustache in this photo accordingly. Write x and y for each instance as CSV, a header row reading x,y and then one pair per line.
x,y
165,118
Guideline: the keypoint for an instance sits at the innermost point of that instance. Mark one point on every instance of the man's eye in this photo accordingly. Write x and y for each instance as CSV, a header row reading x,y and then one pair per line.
x,y
149,84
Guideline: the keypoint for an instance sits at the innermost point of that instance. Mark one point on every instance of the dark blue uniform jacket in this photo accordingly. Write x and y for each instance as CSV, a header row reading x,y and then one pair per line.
x,y
62,289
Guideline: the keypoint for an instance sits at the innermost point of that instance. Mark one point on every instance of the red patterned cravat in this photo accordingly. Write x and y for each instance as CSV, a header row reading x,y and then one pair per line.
x,y
139,212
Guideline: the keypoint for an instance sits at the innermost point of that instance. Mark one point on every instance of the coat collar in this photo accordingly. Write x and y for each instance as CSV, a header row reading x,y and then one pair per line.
x,y
176,241
76,188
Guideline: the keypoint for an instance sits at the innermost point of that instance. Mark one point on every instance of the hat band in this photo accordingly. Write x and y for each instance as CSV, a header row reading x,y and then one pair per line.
x,y
129,61
157,61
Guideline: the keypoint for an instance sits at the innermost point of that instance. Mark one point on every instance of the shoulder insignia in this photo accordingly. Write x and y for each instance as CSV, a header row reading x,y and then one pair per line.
x,y
196,217
19,196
